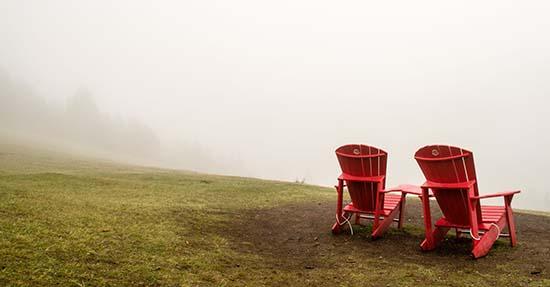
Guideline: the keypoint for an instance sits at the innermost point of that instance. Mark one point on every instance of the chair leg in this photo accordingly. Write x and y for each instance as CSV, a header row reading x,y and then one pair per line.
x,y
458,233
379,206
401,211
510,221
428,242
384,224
484,244
437,236
357,218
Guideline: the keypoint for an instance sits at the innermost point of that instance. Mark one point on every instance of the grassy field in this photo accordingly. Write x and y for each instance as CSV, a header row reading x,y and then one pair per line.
x,y
69,221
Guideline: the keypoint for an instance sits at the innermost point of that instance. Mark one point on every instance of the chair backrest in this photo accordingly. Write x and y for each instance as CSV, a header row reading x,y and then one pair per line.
x,y
364,161
448,164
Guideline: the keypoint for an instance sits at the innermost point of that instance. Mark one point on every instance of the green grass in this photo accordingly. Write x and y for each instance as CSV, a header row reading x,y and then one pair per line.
x,y
100,224
96,227
70,221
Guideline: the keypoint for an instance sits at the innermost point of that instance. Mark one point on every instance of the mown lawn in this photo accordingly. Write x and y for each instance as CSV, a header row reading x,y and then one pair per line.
x,y
70,221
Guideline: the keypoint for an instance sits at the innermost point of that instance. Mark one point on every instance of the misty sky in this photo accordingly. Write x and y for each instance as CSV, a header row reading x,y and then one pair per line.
x,y
271,88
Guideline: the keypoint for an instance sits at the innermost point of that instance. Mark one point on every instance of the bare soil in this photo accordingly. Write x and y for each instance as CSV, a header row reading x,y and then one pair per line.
x,y
297,238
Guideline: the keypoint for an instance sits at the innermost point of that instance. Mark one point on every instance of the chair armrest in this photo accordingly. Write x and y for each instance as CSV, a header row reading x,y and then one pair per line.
x,y
404,188
458,185
506,193
348,177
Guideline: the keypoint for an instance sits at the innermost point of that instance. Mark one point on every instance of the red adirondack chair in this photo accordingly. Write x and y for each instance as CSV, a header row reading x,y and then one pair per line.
x,y
451,176
364,174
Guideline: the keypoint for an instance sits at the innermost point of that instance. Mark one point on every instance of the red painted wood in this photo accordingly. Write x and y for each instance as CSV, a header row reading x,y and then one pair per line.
x,y
383,226
364,173
482,247
510,220
391,202
428,243
451,176
362,161
499,194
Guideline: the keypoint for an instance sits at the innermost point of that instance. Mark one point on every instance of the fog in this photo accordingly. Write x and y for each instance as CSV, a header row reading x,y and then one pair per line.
x,y
270,89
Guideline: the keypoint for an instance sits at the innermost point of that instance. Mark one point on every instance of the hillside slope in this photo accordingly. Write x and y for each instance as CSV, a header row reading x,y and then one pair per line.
x,y
72,221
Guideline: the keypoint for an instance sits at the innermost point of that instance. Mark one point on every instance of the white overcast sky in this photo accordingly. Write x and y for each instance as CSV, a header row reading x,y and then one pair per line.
x,y
279,85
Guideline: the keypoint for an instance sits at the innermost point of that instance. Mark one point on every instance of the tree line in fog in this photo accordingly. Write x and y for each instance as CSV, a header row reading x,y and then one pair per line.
x,y
78,123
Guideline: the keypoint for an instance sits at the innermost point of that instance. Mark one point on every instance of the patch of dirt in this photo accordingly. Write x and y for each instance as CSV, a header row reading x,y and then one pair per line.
x,y
298,237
